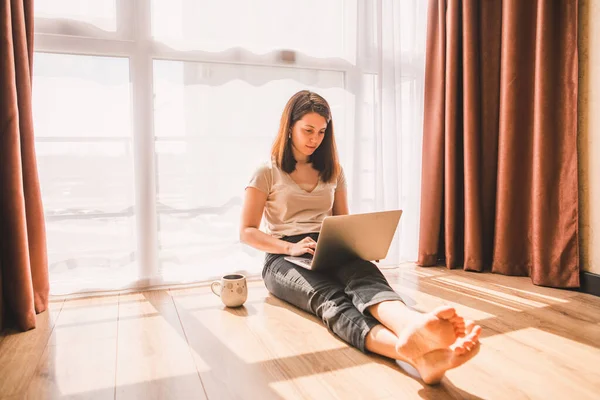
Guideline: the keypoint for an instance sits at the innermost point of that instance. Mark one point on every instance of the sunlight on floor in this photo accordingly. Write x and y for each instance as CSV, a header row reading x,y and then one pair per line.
x,y
95,371
142,355
351,376
541,353
515,300
425,302
478,298
551,343
420,273
531,293
86,319
257,337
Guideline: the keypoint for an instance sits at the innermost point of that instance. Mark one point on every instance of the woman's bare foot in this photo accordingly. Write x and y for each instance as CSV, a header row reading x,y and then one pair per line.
x,y
435,330
433,365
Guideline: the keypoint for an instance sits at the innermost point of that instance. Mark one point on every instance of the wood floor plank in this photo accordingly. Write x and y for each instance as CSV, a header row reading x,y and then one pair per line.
x,y
583,307
511,282
568,359
519,286
153,360
86,319
20,352
571,326
81,370
513,297
460,288
79,361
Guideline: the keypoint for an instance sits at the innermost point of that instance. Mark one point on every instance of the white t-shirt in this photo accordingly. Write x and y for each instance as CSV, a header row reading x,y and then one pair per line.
x,y
291,210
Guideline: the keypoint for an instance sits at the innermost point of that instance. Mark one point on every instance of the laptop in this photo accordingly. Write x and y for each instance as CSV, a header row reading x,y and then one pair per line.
x,y
345,238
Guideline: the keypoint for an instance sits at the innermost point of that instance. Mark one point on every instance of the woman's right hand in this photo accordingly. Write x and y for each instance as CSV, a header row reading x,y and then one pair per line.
x,y
306,245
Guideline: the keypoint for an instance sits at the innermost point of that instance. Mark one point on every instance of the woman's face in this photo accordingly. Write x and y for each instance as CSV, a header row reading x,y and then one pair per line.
x,y
308,133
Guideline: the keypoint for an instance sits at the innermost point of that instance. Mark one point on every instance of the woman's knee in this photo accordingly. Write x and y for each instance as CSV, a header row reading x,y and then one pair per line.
x,y
273,279
309,291
364,265
287,284
359,269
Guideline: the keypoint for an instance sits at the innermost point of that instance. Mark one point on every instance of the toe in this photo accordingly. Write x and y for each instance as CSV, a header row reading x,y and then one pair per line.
x,y
460,347
475,332
469,325
445,312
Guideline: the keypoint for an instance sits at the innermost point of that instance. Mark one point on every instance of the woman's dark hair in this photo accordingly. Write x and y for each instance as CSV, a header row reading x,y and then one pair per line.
x,y
325,158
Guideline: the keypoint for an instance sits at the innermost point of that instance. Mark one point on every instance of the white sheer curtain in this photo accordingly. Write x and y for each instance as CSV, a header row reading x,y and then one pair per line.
x,y
151,116
399,118
386,163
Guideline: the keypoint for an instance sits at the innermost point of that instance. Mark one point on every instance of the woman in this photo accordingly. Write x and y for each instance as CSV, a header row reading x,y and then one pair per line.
x,y
302,185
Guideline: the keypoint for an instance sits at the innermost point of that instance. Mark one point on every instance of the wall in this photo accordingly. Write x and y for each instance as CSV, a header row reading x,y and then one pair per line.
x,y
589,134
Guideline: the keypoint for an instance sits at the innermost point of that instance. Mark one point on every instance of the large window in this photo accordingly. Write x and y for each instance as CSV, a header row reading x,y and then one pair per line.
x,y
150,117
213,124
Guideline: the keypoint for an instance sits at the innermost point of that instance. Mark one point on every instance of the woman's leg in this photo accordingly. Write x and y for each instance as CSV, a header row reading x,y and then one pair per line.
x,y
382,341
320,295
417,333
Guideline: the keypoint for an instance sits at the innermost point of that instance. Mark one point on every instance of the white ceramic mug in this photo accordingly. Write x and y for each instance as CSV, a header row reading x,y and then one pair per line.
x,y
232,289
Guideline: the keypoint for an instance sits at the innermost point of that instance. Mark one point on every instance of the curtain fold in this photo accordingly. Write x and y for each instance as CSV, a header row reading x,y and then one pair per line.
x,y
500,185
23,260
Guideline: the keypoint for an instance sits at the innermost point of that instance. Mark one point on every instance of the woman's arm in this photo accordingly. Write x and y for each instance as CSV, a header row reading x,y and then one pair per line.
x,y
340,202
252,211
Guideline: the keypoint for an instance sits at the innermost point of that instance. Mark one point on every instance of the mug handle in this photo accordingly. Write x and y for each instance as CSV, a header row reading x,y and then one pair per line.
x,y
215,284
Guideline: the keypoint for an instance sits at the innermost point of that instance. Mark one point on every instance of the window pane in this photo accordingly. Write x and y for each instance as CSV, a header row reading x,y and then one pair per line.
x,y
214,125
99,13
83,143
81,96
316,28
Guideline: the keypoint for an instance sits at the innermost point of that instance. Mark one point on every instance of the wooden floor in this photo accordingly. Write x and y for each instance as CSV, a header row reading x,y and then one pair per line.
x,y
537,343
